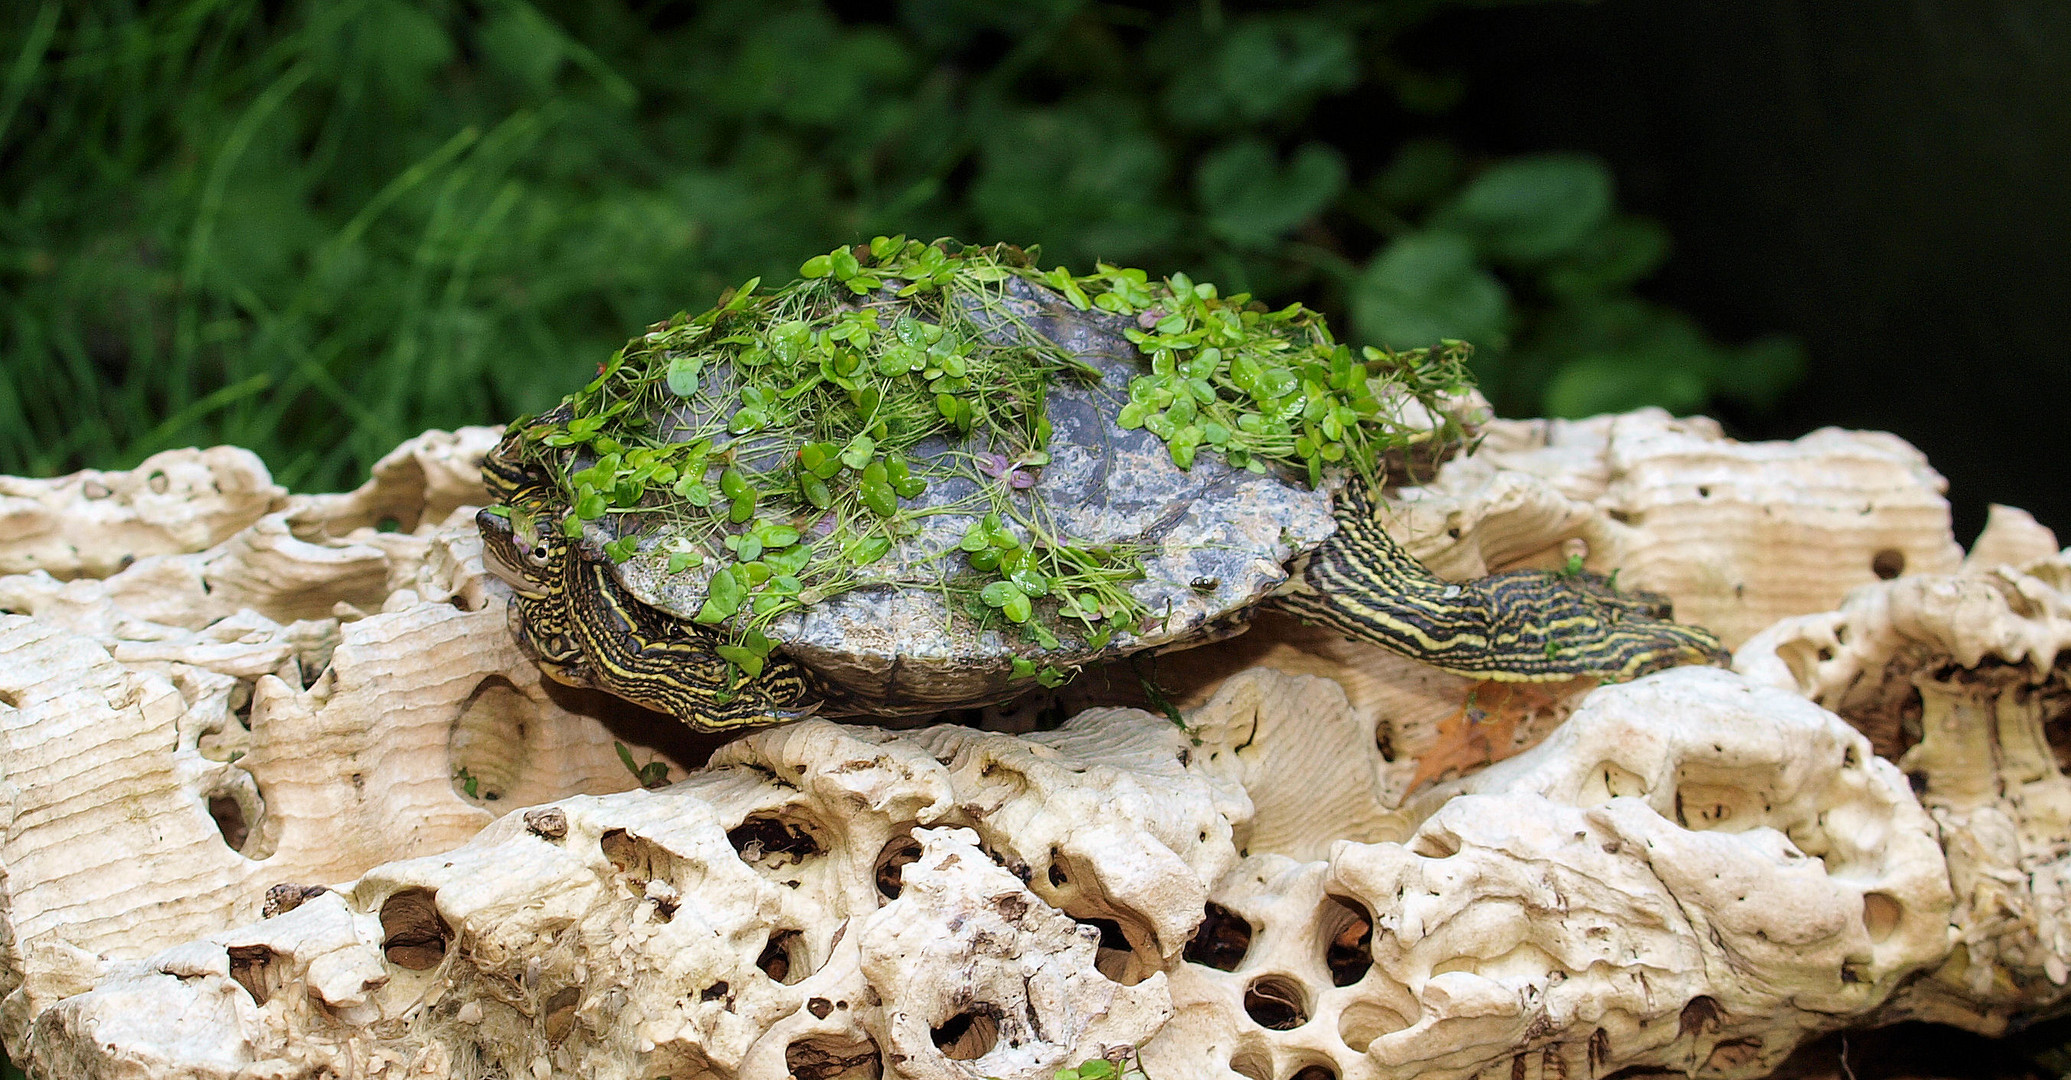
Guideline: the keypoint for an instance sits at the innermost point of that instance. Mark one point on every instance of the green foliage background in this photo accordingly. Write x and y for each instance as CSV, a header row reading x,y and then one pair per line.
x,y
315,228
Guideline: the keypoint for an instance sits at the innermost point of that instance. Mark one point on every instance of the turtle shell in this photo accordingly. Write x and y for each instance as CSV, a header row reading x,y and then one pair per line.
x,y
1211,540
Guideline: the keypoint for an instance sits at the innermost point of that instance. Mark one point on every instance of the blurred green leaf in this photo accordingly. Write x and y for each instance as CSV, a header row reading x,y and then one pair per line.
x,y
316,228
1422,172
1601,384
1266,67
1615,255
1251,199
1428,286
1530,209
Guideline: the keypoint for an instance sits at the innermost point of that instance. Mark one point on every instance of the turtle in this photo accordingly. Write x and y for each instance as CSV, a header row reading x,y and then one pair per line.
x,y
928,476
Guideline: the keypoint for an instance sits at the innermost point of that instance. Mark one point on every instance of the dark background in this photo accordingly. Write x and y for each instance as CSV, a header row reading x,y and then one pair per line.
x,y
1890,183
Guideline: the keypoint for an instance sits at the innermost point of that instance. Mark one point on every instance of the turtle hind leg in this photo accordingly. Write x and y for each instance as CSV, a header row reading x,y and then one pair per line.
x,y
1518,626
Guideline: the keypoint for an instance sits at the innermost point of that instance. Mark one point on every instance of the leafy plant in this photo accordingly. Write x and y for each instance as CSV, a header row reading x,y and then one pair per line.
x,y
654,774
316,228
775,428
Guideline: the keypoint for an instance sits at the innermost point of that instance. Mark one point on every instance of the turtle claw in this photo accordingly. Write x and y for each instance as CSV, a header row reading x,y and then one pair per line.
x,y
785,716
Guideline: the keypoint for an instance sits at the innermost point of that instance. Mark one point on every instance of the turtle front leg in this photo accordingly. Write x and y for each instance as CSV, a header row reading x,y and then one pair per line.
x,y
1518,626
585,630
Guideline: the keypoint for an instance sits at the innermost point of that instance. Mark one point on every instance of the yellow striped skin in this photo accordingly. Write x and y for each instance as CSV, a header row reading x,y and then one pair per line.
x,y
1518,626
582,627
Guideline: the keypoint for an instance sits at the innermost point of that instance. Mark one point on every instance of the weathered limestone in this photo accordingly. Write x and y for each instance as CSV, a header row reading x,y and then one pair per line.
x,y
259,777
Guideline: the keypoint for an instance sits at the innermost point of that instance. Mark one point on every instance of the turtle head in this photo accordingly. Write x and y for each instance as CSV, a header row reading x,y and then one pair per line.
x,y
517,550
521,534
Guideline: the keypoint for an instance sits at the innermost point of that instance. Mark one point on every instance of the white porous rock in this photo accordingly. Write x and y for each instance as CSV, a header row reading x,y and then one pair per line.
x,y
93,523
1962,678
1738,534
309,708
820,901
279,706
1694,872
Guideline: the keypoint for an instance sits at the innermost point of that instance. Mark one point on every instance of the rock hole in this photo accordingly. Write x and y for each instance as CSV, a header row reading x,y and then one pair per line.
x,y
1880,914
560,1014
892,862
240,702
969,1035
1114,956
1888,563
1714,806
1058,877
1276,1002
1701,1016
413,935
1348,941
157,482
486,745
783,957
1251,1065
1364,1021
1623,517
1608,781
714,992
828,1057
769,840
1703,491
1221,940
230,820
1315,1072
251,966
1434,846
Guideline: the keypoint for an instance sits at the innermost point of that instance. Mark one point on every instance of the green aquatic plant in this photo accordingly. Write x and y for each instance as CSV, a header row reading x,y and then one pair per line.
x,y
777,442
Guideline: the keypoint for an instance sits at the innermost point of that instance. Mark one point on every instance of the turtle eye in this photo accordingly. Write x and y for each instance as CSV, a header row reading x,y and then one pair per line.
x,y
538,555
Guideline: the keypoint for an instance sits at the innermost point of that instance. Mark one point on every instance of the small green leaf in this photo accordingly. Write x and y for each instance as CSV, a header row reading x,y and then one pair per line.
x,y
1017,609
1023,668
859,452
815,491
1030,582
749,548
742,508
743,658
722,598
877,492
679,561
822,459
866,550
683,374
777,536
747,420
818,266
733,483
998,593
